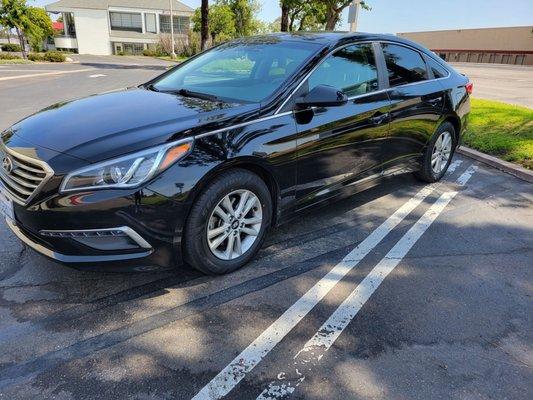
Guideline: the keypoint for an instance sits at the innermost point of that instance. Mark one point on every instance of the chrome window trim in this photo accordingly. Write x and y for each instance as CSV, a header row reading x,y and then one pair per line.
x,y
364,42
132,234
48,171
421,55
277,113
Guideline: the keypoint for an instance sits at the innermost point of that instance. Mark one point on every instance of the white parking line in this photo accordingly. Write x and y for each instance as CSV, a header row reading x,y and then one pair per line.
x,y
316,347
8,78
97,75
237,369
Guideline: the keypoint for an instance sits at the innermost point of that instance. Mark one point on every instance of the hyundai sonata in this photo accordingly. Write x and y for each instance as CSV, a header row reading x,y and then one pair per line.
x,y
196,165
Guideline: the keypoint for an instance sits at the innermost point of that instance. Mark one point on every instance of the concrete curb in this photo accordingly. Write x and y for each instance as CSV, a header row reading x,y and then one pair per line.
x,y
505,166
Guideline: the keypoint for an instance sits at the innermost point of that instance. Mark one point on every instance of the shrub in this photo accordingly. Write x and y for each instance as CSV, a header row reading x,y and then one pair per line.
x,y
36,57
150,52
54,56
8,56
11,47
190,46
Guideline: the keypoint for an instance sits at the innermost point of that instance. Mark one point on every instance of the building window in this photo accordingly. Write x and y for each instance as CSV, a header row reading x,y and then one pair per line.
x,y
126,21
149,21
128,48
181,24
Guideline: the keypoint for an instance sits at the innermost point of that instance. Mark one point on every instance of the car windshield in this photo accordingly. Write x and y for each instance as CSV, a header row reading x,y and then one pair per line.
x,y
241,71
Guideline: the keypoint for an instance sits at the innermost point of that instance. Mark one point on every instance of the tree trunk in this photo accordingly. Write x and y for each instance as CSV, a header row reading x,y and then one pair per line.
x,y
205,24
21,41
284,18
213,36
302,22
332,17
291,23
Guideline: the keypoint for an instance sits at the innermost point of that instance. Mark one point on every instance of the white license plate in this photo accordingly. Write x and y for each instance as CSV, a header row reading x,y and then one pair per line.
x,y
6,205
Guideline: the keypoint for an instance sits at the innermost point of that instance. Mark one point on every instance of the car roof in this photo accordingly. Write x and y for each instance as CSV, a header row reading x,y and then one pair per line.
x,y
330,39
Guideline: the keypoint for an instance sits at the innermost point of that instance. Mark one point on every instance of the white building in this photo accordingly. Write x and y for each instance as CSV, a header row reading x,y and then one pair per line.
x,y
104,27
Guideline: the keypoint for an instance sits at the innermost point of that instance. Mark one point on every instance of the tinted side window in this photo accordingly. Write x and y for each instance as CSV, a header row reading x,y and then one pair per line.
x,y
403,65
351,69
437,69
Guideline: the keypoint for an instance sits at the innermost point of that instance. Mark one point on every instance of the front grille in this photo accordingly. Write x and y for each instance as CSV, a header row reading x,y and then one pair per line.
x,y
21,175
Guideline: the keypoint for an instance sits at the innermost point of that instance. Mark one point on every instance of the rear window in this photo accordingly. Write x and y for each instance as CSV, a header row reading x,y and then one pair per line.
x,y
438,70
403,65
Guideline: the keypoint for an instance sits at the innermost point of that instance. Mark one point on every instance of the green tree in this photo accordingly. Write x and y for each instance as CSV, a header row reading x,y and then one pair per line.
x,y
33,22
301,15
39,27
14,15
275,26
221,22
244,14
334,9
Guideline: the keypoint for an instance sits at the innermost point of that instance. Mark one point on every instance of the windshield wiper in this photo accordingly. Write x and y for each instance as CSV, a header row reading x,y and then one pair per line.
x,y
152,87
199,95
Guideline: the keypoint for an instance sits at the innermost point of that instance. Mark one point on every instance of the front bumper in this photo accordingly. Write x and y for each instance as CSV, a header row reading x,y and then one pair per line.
x,y
109,230
32,242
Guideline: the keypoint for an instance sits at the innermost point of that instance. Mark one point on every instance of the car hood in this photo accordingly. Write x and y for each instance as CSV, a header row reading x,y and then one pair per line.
x,y
102,126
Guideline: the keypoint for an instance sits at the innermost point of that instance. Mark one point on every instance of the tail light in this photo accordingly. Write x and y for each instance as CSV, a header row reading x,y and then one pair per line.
x,y
469,87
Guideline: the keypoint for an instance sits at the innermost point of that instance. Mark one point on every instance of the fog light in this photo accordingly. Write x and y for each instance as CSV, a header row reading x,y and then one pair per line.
x,y
122,238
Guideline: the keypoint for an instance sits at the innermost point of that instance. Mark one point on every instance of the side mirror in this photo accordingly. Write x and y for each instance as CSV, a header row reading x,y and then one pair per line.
x,y
322,96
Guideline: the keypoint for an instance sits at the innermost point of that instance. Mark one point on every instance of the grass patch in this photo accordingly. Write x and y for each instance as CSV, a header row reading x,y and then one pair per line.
x,y
502,130
168,58
16,61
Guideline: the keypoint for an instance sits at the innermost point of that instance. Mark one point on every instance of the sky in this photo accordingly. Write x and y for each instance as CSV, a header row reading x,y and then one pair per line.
x,y
393,16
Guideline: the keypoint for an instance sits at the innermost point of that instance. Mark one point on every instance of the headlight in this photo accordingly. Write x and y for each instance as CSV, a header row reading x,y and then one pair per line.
x,y
127,171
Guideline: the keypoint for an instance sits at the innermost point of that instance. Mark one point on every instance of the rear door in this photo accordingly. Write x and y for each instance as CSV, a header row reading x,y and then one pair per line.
x,y
338,146
416,105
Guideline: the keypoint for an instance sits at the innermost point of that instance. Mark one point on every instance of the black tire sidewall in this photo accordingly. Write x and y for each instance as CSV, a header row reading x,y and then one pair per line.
x,y
196,248
426,173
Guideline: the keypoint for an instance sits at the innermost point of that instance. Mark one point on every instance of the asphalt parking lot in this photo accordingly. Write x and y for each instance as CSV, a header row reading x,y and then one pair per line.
x,y
508,83
405,291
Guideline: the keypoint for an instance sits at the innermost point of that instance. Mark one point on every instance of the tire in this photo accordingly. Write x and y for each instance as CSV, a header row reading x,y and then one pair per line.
x,y
428,170
236,185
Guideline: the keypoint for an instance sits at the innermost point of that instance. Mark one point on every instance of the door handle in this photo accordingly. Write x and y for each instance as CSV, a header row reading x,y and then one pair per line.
x,y
379,118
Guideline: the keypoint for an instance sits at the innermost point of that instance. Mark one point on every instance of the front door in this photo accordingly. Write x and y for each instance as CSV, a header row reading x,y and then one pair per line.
x,y
338,146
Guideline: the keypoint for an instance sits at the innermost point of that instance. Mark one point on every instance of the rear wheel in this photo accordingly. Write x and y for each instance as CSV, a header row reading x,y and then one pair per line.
x,y
228,222
438,154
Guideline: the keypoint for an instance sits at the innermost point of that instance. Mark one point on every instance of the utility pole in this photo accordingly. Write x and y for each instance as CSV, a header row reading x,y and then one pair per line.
x,y
173,52
353,14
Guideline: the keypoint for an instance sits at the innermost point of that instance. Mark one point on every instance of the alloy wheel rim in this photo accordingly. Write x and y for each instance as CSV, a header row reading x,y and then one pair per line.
x,y
234,224
441,152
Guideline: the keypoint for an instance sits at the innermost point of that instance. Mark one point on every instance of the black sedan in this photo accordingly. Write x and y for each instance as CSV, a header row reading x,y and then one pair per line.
x,y
197,164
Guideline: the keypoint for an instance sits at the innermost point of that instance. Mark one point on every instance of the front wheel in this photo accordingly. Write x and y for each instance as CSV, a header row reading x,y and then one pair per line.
x,y
228,222
438,154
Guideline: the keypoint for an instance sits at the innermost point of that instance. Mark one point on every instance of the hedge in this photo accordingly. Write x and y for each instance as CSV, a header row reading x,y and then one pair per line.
x,y
11,47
